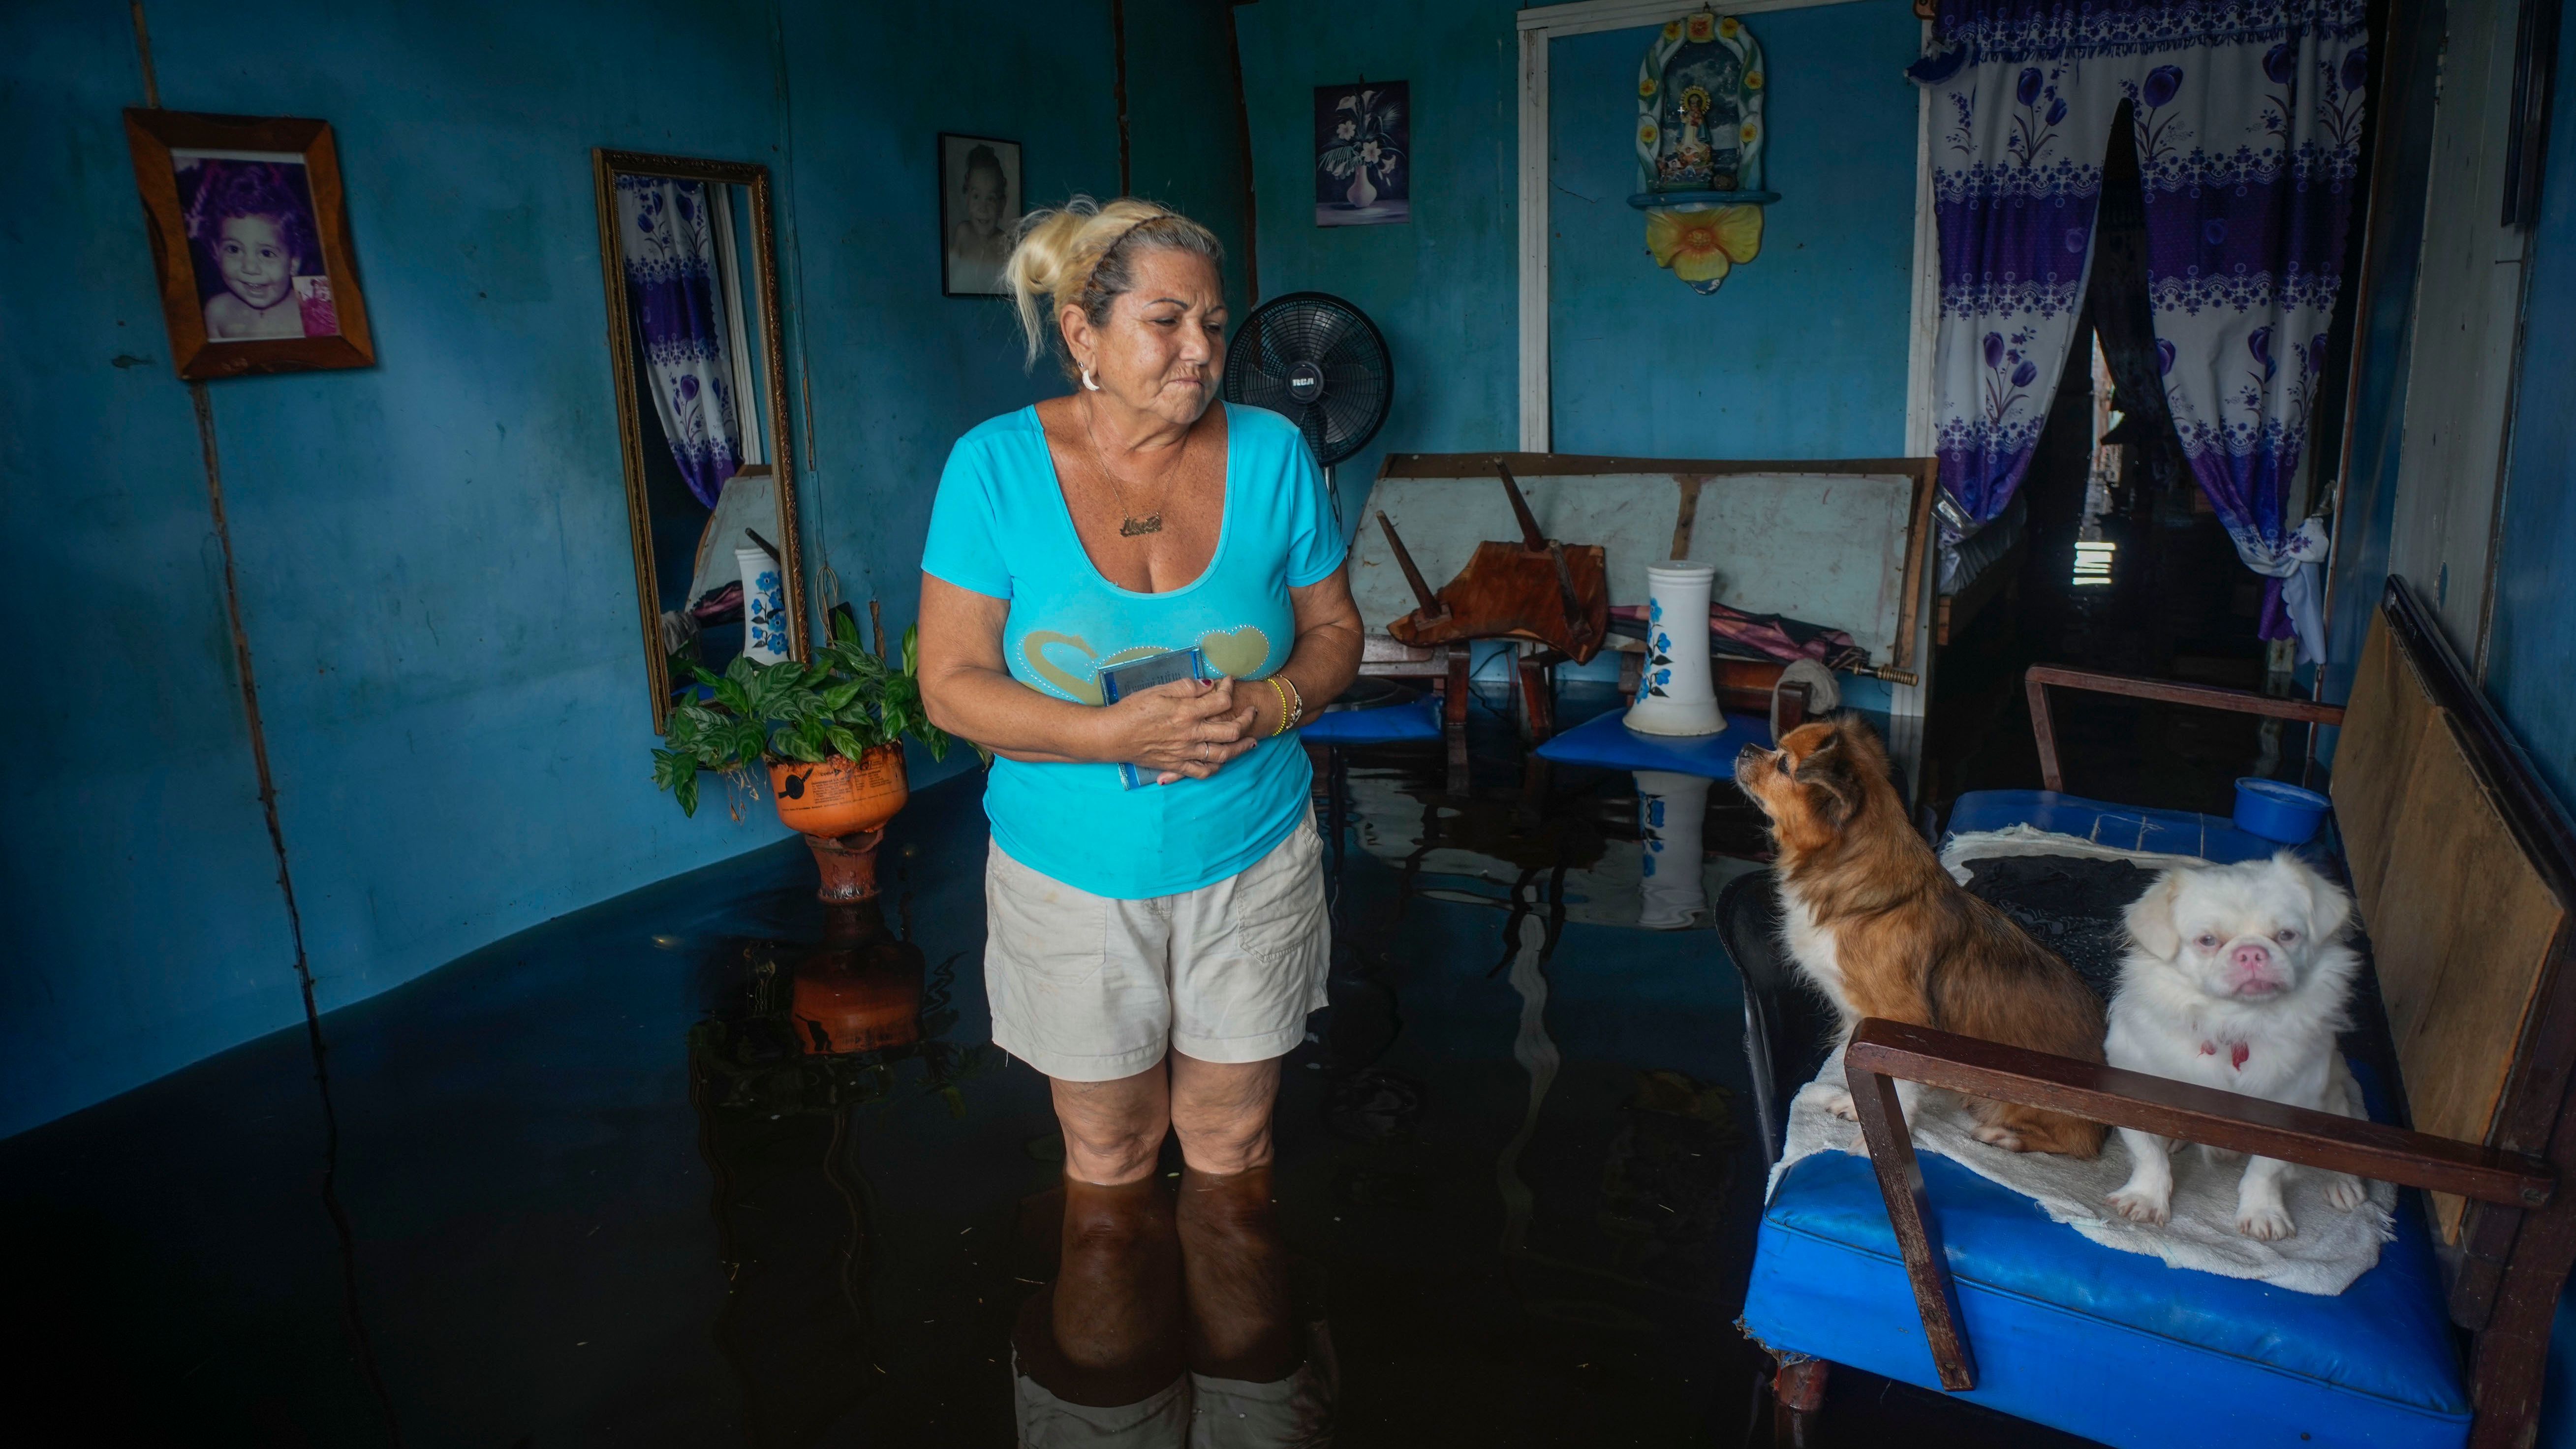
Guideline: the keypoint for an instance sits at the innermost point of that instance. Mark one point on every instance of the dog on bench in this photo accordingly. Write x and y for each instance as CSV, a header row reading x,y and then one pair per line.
x,y
1877,924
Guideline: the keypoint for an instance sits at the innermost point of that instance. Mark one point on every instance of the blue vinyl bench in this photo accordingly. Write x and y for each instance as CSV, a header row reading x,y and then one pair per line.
x,y
1913,1267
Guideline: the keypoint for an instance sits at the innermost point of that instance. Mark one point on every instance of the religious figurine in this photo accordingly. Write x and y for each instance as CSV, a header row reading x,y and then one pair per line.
x,y
1687,167
1700,140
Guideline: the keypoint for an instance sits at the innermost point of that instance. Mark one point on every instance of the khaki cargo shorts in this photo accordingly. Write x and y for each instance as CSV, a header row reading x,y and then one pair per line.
x,y
1087,988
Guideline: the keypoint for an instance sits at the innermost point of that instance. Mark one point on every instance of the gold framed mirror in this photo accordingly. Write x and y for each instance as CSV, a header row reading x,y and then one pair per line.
x,y
687,252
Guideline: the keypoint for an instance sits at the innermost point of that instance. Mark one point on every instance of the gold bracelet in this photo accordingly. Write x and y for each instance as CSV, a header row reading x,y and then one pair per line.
x,y
1277,689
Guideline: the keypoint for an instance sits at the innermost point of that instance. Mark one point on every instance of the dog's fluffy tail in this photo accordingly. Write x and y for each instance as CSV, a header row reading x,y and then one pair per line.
x,y
2031,1129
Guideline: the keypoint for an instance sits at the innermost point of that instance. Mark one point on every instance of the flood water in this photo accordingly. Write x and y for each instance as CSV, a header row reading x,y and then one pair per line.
x,y
706,1164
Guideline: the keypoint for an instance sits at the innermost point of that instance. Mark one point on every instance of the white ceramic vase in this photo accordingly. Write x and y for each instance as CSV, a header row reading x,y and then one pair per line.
x,y
1675,696
764,607
1670,810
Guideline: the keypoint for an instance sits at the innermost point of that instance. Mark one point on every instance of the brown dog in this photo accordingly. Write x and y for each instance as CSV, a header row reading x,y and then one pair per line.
x,y
1880,927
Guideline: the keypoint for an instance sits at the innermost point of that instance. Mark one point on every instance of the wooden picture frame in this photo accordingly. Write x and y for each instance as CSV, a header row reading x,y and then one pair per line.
x,y
635,429
265,190
961,275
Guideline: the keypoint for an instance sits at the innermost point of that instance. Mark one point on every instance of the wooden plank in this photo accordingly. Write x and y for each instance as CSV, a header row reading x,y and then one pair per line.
x,y
2043,733
1688,514
1909,1211
2040,677
2206,696
2385,720
2462,930
2122,1098
2511,1356
1576,465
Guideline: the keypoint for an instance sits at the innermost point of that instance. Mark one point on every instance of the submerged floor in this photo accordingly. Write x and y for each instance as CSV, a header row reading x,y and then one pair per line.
x,y
590,1185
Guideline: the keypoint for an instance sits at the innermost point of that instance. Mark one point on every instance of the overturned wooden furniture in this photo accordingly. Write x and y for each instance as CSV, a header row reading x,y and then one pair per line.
x,y
1539,589
1841,541
1552,594
2464,868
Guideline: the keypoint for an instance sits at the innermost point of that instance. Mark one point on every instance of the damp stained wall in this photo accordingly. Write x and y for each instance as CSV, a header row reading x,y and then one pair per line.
x,y
2530,667
434,575
1801,354
2408,88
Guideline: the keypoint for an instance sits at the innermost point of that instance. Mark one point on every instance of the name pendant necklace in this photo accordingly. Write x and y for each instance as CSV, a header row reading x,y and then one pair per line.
x,y
1129,525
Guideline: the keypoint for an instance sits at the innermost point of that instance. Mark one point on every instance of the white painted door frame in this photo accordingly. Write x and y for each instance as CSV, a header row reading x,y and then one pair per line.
x,y
1542,23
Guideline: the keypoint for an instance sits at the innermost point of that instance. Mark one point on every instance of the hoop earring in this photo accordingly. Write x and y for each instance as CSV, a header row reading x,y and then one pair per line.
x,y
1087,382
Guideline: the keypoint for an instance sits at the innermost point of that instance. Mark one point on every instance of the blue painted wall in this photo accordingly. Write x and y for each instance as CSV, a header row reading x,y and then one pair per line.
x,y
2531,645
2364,532
433,552
1185,123
1802,354
1441,287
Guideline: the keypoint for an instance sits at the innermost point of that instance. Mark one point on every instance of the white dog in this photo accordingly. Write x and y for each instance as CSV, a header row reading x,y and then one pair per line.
x,y
2236,978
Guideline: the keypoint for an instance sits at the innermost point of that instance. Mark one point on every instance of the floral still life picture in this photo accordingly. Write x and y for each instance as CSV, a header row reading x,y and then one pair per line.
x,y
1363,154
250,241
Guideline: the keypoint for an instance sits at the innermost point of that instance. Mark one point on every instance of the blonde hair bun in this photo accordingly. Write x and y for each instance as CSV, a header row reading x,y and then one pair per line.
x,y
1081,254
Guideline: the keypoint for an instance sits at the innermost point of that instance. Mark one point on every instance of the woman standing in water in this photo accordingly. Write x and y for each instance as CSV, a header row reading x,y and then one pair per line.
x,y
1153,951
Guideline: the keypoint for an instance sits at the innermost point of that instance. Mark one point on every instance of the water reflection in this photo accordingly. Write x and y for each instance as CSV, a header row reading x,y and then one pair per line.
x,y
1508,1109
1652,855
1173,1319
800,1038
1673,886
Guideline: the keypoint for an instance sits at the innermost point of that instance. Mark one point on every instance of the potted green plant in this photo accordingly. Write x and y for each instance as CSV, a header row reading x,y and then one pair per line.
x,y
829,733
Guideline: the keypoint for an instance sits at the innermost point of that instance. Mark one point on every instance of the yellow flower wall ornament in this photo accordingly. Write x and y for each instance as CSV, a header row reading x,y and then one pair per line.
x,y
1701,244
1700,144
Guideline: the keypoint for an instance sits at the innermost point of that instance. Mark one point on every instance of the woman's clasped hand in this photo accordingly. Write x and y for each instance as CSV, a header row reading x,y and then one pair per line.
x,y
1187,729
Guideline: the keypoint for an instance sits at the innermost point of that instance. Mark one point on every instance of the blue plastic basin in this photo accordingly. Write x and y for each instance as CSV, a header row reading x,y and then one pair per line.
x,y
2279,812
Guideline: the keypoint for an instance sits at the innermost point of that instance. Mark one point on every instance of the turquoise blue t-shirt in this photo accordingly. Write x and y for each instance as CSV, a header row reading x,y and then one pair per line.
x,y
1000,528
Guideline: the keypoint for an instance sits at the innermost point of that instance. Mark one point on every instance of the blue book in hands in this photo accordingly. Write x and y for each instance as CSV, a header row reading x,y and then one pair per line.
x,y
1135,677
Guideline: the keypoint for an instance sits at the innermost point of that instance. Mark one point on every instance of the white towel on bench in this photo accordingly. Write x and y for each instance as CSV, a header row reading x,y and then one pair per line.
x,y
2329,1250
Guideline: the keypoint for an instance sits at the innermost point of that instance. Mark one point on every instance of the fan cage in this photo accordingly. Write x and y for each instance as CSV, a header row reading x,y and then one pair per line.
x,y
1346,351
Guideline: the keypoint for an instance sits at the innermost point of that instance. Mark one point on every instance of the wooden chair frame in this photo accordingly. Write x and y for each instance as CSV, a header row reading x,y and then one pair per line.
x,y
2520,1236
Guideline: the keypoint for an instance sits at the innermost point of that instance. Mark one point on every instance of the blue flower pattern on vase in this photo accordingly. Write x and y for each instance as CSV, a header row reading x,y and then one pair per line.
x,y
765,614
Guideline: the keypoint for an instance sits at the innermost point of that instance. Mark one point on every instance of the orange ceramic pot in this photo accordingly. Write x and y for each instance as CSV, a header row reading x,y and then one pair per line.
x,y
840,796
862,990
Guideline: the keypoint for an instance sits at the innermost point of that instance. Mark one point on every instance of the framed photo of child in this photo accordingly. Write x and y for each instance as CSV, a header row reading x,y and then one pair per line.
x,y
979,209
251,241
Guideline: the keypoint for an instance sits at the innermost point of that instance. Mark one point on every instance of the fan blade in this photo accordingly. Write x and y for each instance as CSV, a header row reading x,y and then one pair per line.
x,y
1328,333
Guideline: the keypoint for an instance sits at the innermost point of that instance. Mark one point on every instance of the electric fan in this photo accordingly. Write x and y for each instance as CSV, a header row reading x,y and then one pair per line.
x,y
1319,362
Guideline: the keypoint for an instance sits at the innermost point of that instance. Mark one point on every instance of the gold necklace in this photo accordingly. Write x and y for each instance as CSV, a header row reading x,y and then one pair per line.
x,y
1129,525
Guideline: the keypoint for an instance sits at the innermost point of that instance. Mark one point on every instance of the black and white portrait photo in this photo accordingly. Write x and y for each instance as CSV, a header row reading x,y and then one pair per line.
x,y
979,204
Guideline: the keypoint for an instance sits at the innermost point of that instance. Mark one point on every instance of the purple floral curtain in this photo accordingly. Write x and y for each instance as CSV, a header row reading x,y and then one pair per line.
x,y
671,280
2248,124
